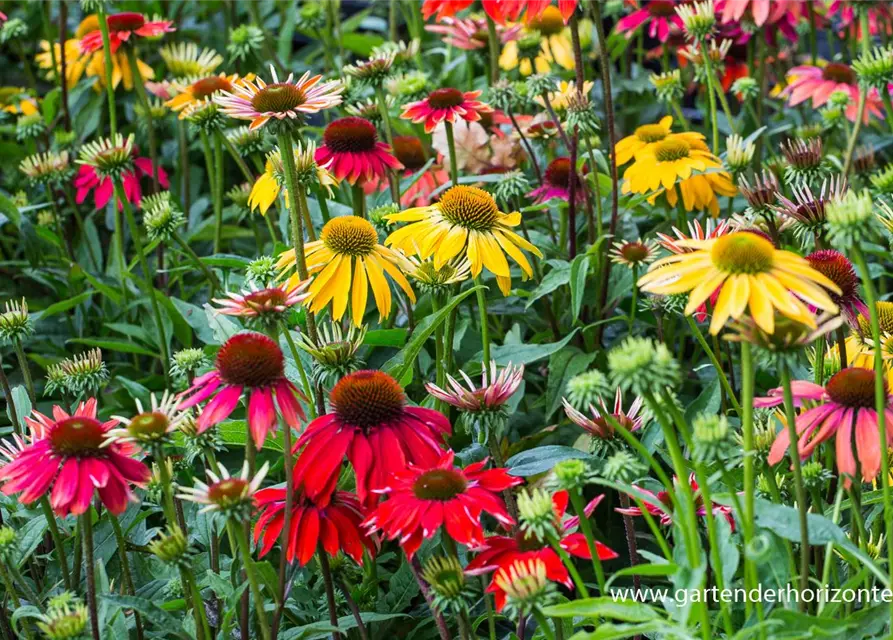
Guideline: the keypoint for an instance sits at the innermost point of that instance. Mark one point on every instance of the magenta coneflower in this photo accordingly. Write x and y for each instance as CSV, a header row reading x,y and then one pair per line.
x,y
351,146
252,363
661,505
471,33
713,230
556,183
844,408
598,426
659,15
494,392
268,303
121,27
289,100
372,425
837,268
445,105
88,180
69,454
819,83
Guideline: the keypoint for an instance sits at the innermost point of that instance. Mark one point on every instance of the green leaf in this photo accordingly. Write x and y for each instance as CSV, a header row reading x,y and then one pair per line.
x,y
225,260
361,43
729,555
150,612
182,330
610,631
386,338
542,459
557,277
236,432
527,353
65,305
564,365
196,318
115,344
108,291
22,404
578,272
604,607
708,401
8,209
223,327
402,362
652,570
29,537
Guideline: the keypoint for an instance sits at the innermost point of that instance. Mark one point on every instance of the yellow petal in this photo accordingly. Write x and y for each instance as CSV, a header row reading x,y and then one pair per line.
x,y
359,292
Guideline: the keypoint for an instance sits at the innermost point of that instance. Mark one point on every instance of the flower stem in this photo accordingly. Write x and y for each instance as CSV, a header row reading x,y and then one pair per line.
x,y
632,308
246,172
238,534
493,45
198,605
358,199
543,624
482,308
723,380
10,405
329,586
23,365
488,606
144,100
13,596
711,98
451,146
305,383
87,539
59,548
880,391
580,509
125,570
208,273
799,488
439,377
147,276
212,181
747,528
107,63
715,556
426,592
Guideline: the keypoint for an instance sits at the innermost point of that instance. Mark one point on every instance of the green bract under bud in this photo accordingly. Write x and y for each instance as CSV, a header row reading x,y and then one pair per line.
x,y
572,474
52,167
586,388
110,157
409,87
15,322
206,117
668,85
747,87
13,29
503,96
372,71
698,19
247,141
161,217
187,361
311,15
199,443
875,68
539,84
581,116
643,366
511,186
815,475
334,352
171,547
30,126
738,154
84,373
537,514
849,219
244,41
713,439
447,581
8,547
65,618
623,467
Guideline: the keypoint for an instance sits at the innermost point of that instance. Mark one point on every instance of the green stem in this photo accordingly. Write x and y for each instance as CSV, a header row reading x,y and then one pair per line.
x,y
632,308
144,100
107,61
488,606
723,380
586,526
451,146
217,191
246,172
125,570
14,597
238,534
87,539
482,309
193,256
329,587
439,377
305,382
543,624
724,103
147,276
829,548
358,199
385,115
493,45
26,372
747,529
167,492
198,606
59,547
711,98
212,181
716,558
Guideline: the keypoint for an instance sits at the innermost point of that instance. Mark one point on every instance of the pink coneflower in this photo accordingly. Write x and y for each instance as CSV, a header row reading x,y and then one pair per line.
x,y
121,27
445,105
660,504
761,11
70,453
598,426
556,183
844,408
335,525
819,83
351,146
253,363
232,496
411,154
495,390
471,33
87,180
659,15
713,229
422,499
371,424
880,19
288,100
268,303
836,267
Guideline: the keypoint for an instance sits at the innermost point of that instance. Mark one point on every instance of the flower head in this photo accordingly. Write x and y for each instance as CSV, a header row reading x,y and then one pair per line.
x,y
374,70
837,268
465,222
808,208
698,19
557,183
65,618
805,162
438,281
711,229
70,459
351,151
445,105
109,157
186,60
246,40
50,167
268,186
161,216
642,365
597,424
738,154
850,218
232,496
421,499
587,388
633,254
287,101
818,83
448,583
371,424
668,85
15,322
874,69
83,373
661,504
267,306
150,428
334,351
657,16
124,26
496,389
251,363
186,362
747,270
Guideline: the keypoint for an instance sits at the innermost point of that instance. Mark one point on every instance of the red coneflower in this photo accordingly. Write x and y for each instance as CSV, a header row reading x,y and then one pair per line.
x,y
838,269
254,363
421,499
661,505
258,303
121,27
501,552
371,424
557,182
335,525
445,105
844,408
351,146
660,17
69,453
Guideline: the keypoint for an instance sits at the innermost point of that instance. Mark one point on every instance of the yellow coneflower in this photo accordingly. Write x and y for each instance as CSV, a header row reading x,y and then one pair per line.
x,y
267,187
748,271
192,92
554,48
346,261
465,222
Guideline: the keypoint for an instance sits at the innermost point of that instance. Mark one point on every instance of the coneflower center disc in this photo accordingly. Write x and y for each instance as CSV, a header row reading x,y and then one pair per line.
x,y
651,133
838,72
350,134
207,87
125,21
885,319
277,98
743,252
439,484
151,425
834,266
671,149
445,98
558,172
409,152
266,299
77,435
634,252
250,360
549,22
469,207
228,492
367,398
852,387
661,8
349,235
